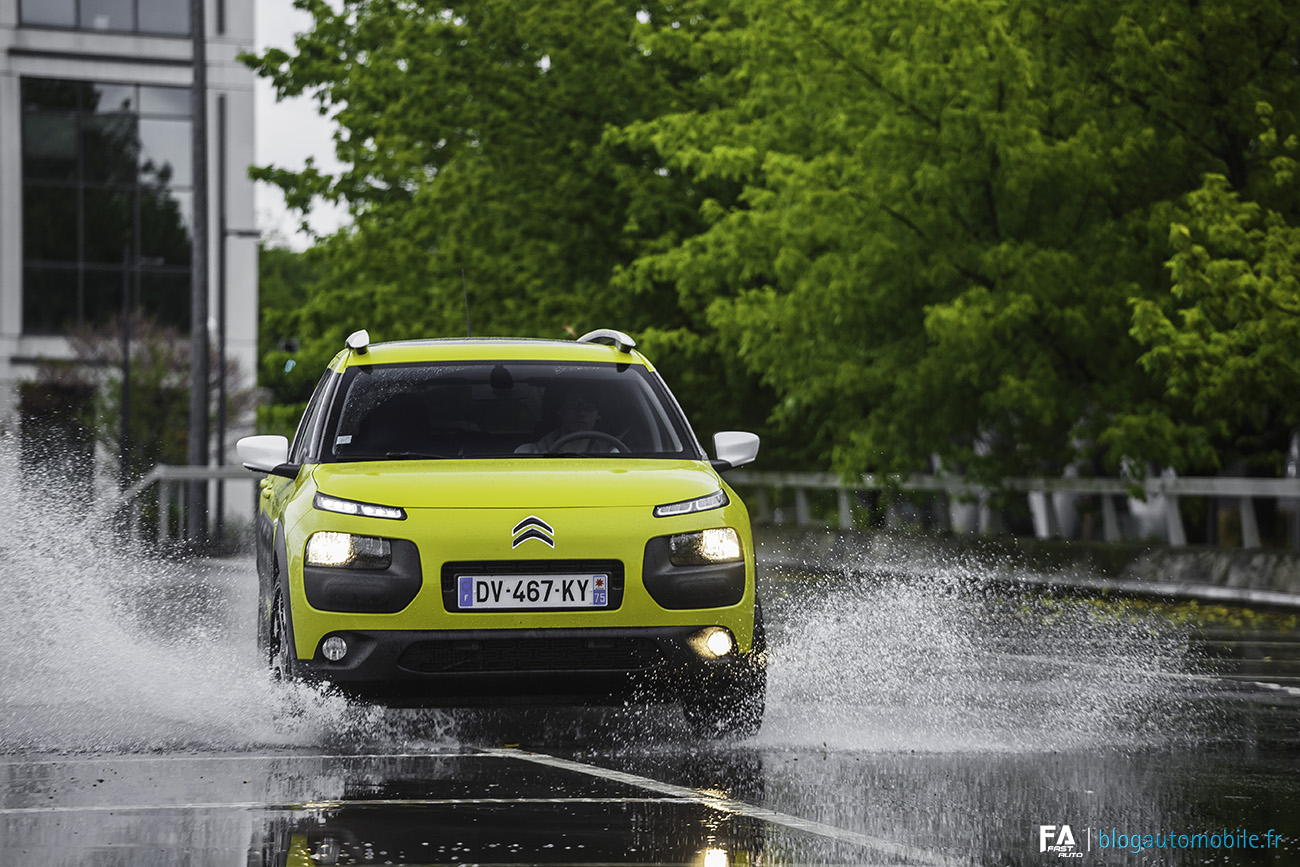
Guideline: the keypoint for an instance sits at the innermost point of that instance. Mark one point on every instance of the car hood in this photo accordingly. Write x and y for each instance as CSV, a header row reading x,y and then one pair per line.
x,y
518,483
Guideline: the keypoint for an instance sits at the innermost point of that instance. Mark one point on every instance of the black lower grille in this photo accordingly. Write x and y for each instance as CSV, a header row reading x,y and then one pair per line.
x,y
531,654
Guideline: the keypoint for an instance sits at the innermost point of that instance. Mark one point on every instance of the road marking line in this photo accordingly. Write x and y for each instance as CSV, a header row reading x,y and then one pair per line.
x,y
1276,687
266,757
741,808
316,806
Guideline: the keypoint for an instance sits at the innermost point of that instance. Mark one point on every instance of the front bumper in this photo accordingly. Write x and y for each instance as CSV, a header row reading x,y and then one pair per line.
x,y
456,668
418,592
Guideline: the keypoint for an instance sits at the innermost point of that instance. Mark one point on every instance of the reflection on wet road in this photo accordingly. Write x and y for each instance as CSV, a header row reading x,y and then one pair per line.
x,y
653,804
945,723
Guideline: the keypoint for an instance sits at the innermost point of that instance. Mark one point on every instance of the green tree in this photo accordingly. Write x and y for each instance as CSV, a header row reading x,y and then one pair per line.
x,y
472,138
950,208
158,366
484,195
920,198
915,229
287,281
1223,344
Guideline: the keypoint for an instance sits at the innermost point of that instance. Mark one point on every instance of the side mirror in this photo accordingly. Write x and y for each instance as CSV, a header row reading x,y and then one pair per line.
x,y
266,454
734,448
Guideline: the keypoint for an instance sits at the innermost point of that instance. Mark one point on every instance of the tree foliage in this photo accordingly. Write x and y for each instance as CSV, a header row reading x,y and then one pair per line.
x,y
1012,237
472,133
951,211
485,197
1226,352
84,395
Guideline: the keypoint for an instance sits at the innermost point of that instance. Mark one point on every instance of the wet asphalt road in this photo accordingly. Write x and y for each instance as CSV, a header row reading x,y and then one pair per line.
x,y
946,724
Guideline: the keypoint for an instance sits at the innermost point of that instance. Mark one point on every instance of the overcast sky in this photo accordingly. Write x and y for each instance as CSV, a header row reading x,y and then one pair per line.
x,y
287,132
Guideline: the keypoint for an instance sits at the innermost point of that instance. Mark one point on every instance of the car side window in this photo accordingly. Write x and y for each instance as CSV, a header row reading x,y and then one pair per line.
x,y
310,418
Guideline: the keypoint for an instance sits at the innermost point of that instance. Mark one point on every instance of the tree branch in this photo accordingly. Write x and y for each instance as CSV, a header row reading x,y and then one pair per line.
x,y
908,106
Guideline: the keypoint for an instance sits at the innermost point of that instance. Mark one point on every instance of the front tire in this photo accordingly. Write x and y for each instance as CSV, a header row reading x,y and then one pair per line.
x,y
281,656
729,707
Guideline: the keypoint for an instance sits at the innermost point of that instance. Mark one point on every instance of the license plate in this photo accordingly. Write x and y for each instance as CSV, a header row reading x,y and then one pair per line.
x,y
532,591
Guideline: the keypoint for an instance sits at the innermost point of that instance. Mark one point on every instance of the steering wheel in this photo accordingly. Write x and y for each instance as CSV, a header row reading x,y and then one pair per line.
x,y
588,435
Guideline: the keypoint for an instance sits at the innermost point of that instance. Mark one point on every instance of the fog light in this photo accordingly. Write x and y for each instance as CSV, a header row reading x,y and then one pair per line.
x,y
712,642
334,648
719,643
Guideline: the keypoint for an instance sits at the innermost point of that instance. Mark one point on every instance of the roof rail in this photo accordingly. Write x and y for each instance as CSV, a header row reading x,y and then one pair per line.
x,y
616,339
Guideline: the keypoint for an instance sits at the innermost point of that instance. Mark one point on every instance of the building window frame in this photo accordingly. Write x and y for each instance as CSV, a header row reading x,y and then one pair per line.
x,y
105,224
143,17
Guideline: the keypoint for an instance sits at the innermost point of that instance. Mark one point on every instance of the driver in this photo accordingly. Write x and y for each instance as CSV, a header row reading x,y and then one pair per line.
x,y
577,414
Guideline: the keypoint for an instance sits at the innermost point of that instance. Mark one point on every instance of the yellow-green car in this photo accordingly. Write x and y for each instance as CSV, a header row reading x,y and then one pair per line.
x,y
478,521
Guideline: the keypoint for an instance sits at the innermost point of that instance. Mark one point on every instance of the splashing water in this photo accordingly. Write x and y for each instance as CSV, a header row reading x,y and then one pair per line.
x,y
916,653
111,648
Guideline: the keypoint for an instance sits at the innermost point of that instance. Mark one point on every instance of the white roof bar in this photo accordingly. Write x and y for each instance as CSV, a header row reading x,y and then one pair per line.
x,y
359,341
616,339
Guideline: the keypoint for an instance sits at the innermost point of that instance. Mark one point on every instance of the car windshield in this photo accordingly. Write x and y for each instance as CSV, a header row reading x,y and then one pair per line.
x,y
504,409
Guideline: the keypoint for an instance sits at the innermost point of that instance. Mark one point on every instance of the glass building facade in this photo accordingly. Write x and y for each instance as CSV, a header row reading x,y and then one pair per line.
x,y
107,203
97,178
164,17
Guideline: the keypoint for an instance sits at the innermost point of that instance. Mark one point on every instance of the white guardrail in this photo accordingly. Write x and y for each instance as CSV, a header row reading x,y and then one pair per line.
x,y
1048,498
1156,504
171,482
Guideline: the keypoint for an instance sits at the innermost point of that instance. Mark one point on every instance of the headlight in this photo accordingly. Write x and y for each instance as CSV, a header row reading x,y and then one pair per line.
x,y
326,503
715,500
345,549
715,545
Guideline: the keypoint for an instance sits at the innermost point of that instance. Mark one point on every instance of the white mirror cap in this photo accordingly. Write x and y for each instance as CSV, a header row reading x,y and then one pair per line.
x,y
262,453
359,341
736,447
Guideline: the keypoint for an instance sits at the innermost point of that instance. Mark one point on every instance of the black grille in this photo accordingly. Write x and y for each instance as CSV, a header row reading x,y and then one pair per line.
x,y
531,654
612,568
